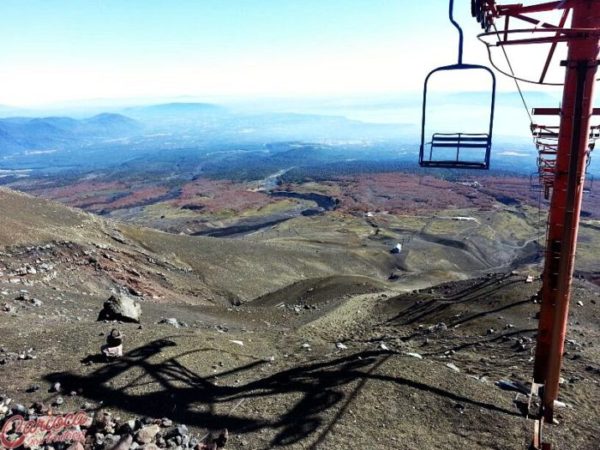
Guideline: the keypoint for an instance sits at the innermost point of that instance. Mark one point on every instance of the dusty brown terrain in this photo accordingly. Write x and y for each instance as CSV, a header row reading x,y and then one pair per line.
x,y
295,337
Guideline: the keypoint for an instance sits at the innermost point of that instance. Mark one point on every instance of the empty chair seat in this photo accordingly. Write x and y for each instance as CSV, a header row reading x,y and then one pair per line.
x,y
457,150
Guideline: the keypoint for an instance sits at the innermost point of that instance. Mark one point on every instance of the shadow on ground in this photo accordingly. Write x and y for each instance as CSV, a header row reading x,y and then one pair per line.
x,y
187,397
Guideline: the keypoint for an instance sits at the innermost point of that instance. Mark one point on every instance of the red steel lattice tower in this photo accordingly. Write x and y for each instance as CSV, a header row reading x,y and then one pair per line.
x,y
582,38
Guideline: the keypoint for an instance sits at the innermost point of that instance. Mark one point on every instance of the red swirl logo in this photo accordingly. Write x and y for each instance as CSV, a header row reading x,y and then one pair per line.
x,y
44,429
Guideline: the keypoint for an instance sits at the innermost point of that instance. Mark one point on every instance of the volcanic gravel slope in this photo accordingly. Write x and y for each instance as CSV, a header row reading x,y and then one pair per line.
x,y
321,359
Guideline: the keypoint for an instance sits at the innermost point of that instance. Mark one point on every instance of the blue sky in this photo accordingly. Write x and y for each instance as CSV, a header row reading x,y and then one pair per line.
x,y
54,51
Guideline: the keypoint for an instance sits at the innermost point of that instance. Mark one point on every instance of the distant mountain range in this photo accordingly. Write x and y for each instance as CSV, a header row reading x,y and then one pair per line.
x,y
23,133
174,112
185,124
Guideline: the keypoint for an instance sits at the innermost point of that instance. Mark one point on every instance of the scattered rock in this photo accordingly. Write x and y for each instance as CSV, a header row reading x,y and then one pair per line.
x,y
150,447
23,296
180,430
124,443
173,322
121,307
460,408
414,355
453,367
76,446
39,408
234,341
341,346
114,345
19,409
509,385
438,327
146,434
559,404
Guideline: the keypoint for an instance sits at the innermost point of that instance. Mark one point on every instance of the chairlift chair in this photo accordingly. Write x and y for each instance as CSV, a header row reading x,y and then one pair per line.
x,y
545,138
457,150
588,185
535,184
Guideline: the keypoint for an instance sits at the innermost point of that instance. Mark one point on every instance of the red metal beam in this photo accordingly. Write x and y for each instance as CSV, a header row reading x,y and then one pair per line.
x,y
561,24
551,39
533,21
511,10
556,111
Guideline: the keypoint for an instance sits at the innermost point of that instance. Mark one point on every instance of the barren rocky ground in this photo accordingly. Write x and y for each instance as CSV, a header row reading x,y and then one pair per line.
x,y
296,336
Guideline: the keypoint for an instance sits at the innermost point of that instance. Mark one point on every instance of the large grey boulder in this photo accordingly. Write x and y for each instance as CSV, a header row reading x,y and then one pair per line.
x,y
121,307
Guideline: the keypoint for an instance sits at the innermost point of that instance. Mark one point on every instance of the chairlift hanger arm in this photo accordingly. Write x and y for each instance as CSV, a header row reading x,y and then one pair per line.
x,y
460,31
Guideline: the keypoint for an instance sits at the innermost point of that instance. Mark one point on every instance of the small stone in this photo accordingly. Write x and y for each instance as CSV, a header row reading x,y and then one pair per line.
x,y
23,296
39,408
579,303
151,446
453,367
182,430
165,422
171,321
559,404
341,346
124,443
99,437
59,401
55,387
147,433
19,409
441,326
76,446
